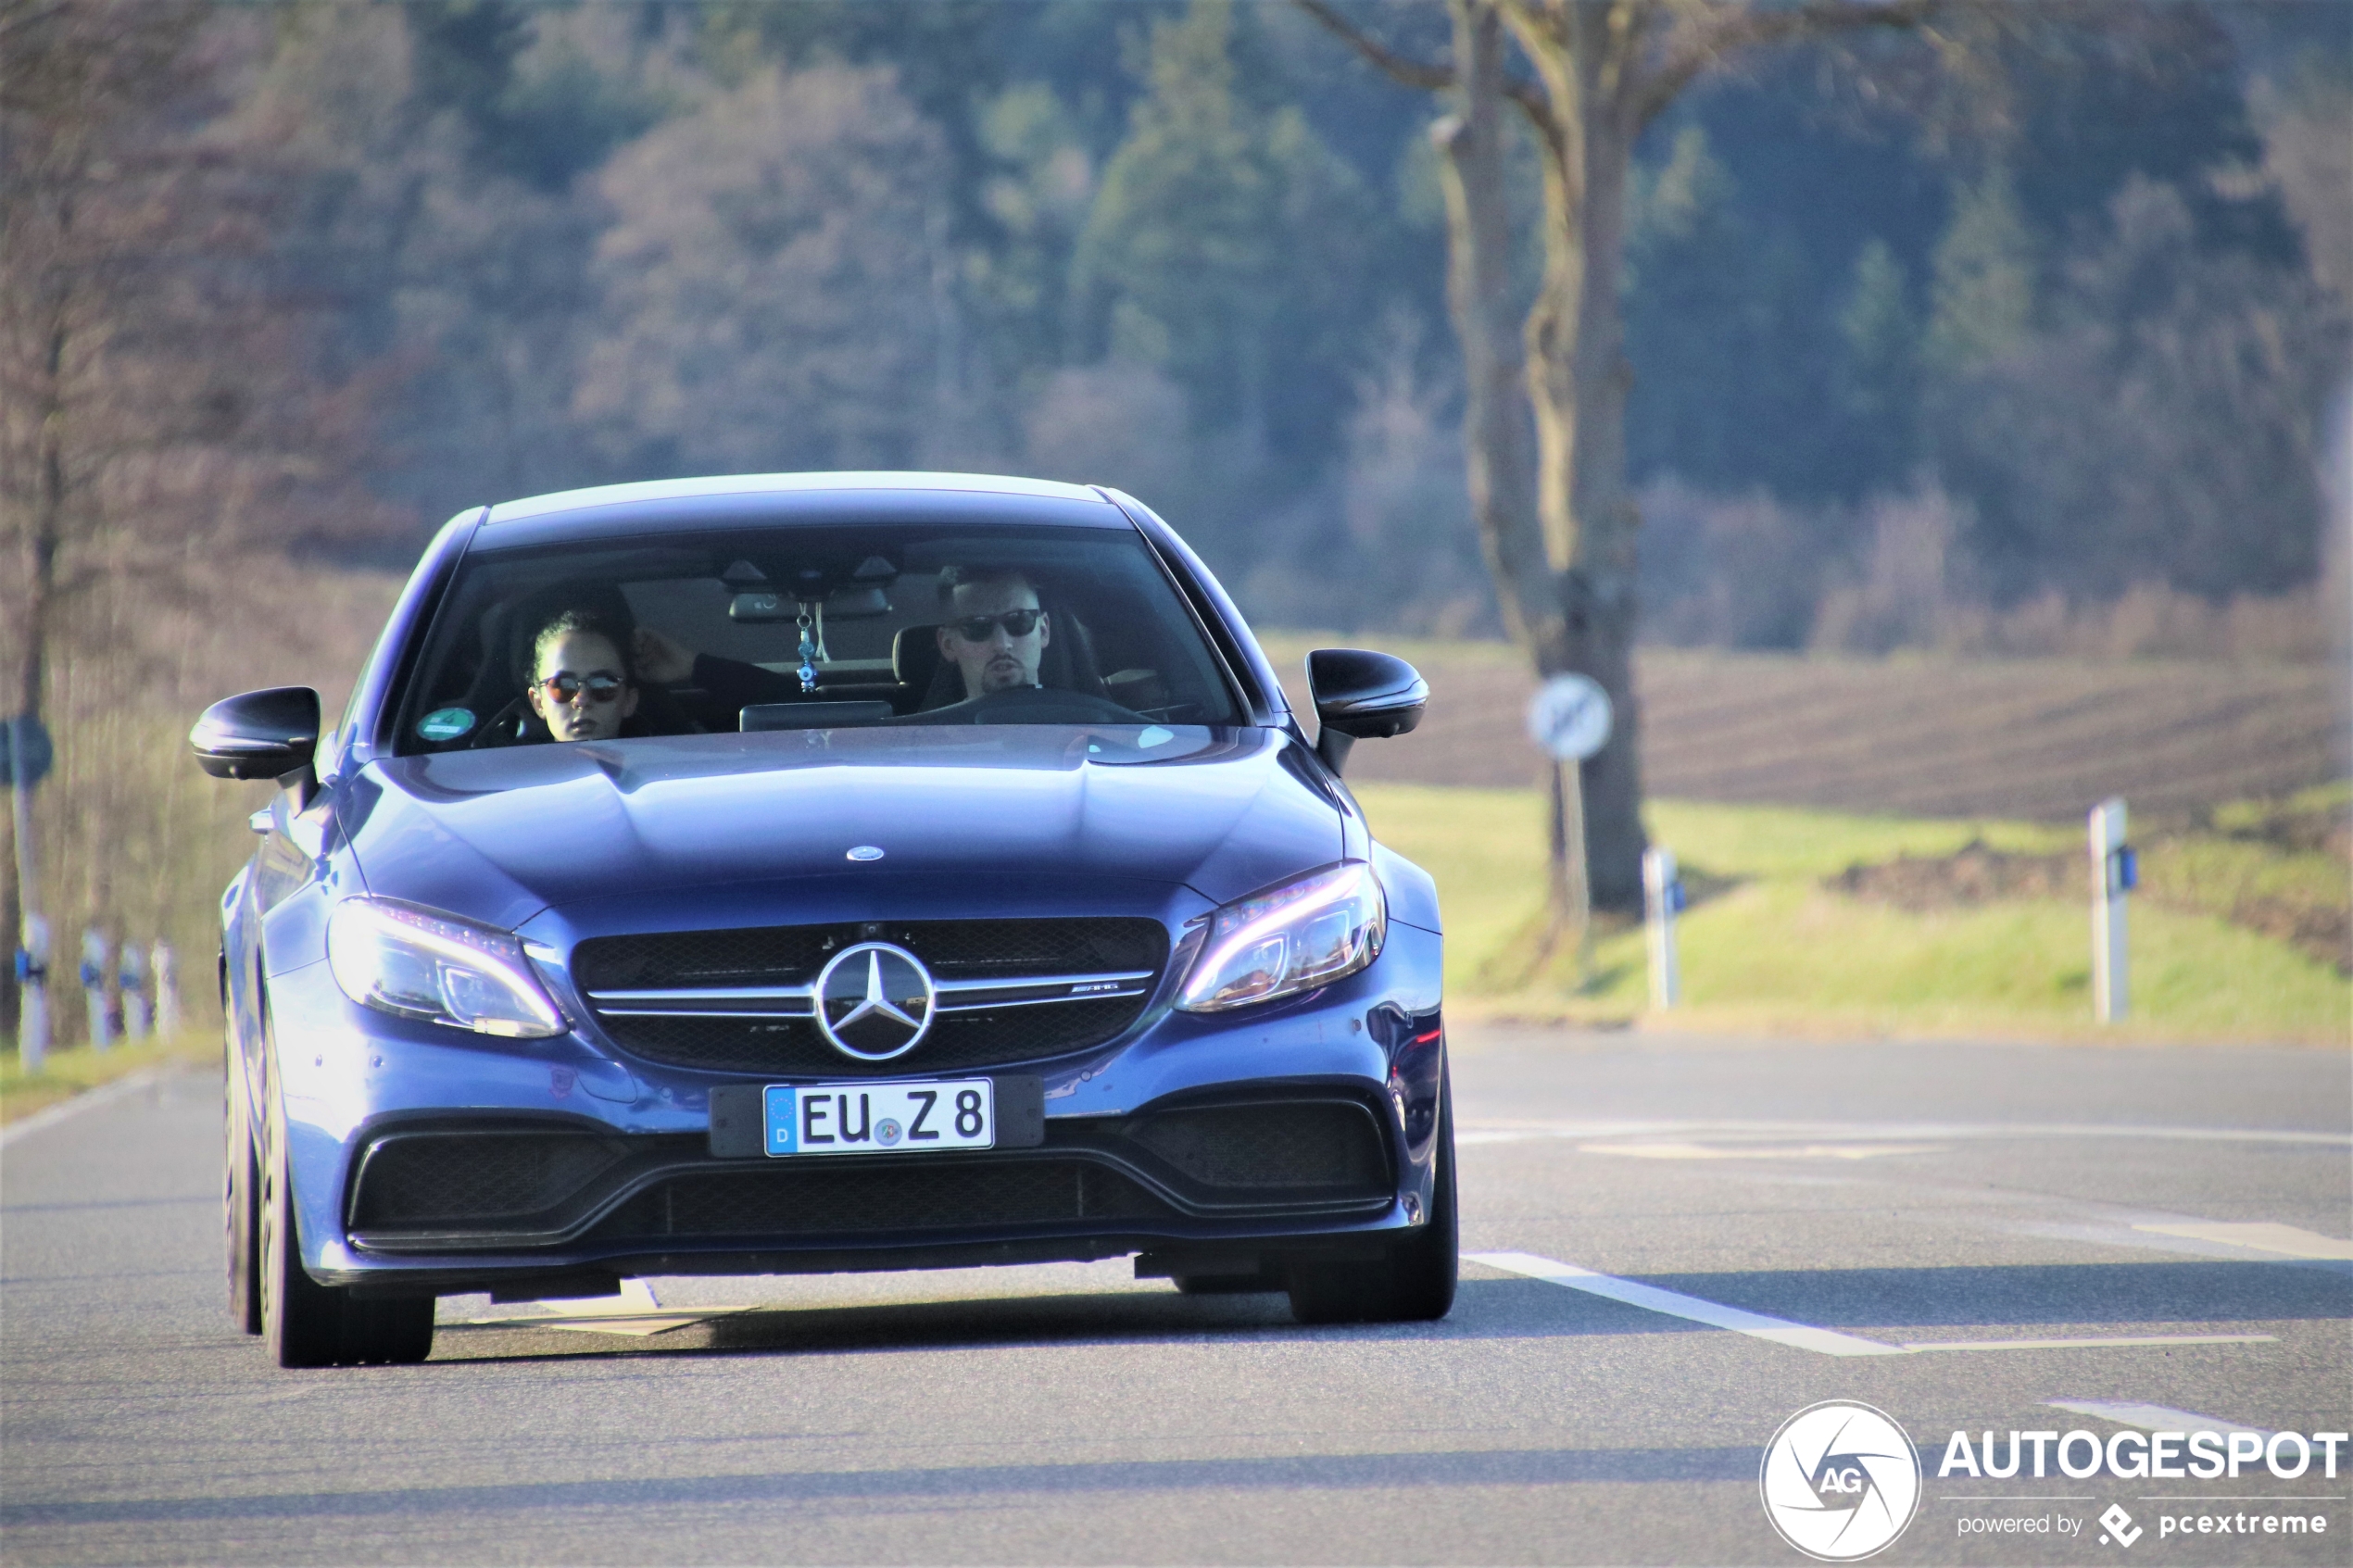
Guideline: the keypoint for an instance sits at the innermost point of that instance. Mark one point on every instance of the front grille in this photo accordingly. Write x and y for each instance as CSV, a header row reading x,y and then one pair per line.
x,y
952,950
957,1041
1315,1144
500,1184
781,1205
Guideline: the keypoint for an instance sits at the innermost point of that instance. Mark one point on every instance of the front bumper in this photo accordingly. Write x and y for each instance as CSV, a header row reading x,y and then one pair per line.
x,y
651,1199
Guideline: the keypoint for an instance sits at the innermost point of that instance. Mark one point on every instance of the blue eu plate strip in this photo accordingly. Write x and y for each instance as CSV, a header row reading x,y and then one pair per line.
x,y
783,1119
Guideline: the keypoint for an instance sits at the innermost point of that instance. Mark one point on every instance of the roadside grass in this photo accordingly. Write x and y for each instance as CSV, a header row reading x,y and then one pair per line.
x,y
1767,947
77,1068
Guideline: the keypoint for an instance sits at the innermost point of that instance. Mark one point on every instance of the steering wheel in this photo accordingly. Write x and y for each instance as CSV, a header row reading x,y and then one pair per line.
x,y
502,728
1034,705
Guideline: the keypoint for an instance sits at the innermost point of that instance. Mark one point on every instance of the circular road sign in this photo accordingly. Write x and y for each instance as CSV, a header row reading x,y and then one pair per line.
x,y
33,765
1570,717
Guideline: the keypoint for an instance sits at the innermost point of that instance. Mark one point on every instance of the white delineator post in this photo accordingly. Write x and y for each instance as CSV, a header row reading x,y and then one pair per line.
x,y
32,996
131,981
95,953
32,957
2112,877
164,964
1662,901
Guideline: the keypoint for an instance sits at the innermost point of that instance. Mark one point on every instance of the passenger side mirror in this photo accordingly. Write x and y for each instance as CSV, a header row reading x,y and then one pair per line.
x,y
1361,696
265,734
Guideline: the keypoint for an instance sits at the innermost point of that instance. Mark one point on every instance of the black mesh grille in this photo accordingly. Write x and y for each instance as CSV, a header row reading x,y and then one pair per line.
x,y
950,949
1333,1144
425,1177
771,954
783,1204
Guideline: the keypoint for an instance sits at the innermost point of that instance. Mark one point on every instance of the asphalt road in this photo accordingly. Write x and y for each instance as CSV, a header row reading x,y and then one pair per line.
x,y
1831,1204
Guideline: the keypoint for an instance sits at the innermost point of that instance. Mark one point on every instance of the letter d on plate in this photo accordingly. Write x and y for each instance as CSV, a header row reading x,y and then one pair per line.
x,y
784,1122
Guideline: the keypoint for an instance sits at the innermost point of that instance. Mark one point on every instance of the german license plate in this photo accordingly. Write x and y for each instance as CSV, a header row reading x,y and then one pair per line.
x,y
874,1118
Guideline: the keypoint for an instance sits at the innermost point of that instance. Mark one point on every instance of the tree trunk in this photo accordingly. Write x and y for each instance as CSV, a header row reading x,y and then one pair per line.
x,y
1499,442
40,583
1578,379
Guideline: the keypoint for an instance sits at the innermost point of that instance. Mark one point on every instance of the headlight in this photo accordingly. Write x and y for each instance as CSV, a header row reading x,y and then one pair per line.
x,y
1291,938
419,963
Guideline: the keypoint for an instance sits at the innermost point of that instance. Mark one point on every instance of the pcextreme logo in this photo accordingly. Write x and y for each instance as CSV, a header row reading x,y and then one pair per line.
x,y
1840,1481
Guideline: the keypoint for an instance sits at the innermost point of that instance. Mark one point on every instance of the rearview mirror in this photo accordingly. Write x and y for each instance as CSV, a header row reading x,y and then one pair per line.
x,y
857,602
759,608
265,734
1361,696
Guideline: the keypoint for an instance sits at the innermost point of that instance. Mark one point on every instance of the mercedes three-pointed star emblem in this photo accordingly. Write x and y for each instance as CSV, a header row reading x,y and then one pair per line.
x,y
874,1001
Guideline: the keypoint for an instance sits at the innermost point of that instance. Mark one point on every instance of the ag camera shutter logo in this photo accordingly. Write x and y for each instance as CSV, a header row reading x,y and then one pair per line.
x,y
1840,1481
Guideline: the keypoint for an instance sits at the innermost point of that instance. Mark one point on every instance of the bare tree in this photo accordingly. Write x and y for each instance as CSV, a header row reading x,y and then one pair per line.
x,y
1547,414
159,413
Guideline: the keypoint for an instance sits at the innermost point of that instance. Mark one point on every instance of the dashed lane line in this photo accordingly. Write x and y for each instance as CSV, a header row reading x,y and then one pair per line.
x,y
2289,1241
2093,1344
2152,1418
1798,1335
1675,1304
1500,1131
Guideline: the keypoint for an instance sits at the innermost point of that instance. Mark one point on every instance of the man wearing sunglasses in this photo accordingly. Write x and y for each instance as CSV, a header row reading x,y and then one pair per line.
x,y
992,629
581,686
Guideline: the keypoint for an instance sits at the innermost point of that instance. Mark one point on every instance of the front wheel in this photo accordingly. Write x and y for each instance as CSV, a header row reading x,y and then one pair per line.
x,y
308,1324
1416,1281
240,1202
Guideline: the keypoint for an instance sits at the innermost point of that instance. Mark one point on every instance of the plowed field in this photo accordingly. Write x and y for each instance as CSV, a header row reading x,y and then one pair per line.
x,y
2021,739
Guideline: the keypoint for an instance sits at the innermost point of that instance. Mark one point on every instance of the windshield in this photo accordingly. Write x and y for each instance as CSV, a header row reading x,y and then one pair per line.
x,y
809,628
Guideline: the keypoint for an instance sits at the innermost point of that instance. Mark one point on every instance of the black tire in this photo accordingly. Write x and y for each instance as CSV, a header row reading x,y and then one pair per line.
x,y
308,1324
1416,1281
240,1202
393,1333
301,1320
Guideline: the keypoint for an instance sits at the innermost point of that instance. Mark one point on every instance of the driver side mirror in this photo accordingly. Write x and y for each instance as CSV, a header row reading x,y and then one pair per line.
x,y
1361,696
266,734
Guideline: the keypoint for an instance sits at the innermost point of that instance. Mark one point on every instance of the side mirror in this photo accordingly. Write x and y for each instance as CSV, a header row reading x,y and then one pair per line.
x,y
1361,696
264,734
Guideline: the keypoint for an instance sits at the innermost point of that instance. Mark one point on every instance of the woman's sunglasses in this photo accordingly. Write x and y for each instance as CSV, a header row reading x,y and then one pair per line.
x,y
976,628
565,688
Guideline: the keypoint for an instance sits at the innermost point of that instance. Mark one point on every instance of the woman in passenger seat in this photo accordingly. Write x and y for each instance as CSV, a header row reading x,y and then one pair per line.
x,y
582,685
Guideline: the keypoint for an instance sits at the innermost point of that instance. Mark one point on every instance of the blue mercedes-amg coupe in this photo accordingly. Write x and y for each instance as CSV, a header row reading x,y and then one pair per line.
x,y
809,872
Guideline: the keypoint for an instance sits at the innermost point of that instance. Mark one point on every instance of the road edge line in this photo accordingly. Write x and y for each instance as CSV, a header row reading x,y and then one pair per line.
x,y
89,1099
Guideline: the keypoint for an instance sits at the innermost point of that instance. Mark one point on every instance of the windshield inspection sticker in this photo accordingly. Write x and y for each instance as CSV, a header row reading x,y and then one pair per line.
x,y
445,723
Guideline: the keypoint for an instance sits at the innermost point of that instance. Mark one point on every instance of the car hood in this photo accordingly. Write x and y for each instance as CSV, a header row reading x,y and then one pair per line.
x,y
499,836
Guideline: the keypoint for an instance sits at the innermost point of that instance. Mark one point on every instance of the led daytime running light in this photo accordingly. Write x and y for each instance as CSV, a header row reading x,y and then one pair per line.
x,y
1256,949
415,963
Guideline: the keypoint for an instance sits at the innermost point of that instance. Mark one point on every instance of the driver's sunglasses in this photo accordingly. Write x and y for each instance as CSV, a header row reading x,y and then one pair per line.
x,y
976,628
601,688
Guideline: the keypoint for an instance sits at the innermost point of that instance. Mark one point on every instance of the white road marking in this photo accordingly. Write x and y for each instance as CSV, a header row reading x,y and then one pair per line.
x,y
1756,1151
1690,1307
2152,1418
2287,1240
2093,1344
89,1099
1502,1129
633,1311
1803,1337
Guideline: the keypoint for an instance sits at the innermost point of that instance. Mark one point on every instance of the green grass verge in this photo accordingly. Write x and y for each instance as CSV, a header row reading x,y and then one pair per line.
x,y
65,1073
1768,947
